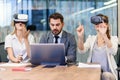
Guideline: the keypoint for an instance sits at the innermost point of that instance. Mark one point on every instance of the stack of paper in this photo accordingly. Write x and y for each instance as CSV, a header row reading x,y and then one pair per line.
x,y
85,65
14,64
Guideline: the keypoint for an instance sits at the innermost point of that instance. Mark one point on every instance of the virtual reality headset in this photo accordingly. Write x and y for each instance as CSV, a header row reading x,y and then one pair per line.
x,y
96,20
20,18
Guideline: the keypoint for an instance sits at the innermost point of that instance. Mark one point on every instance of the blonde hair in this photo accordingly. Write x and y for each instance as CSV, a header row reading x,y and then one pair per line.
x,y
13,25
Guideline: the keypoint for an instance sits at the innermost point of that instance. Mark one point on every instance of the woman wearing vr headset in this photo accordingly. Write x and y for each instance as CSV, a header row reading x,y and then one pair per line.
x,y
102,46
16,43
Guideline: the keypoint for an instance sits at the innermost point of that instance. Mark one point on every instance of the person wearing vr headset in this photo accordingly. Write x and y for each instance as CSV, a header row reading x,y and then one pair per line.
x,y
102,46
17,43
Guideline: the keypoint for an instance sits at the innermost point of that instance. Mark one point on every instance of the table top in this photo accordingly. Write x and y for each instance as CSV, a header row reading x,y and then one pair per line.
x,y
51,73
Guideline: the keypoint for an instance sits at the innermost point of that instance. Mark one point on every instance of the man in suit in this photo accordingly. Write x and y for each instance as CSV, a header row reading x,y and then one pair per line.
x,y
56,23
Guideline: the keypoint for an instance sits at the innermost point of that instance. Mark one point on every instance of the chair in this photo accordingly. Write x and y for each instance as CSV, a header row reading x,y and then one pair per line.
x,y
118,71
118,62
3,53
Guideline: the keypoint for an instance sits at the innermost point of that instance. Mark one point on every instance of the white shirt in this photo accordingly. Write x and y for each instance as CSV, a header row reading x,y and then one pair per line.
x,y
18,48
59,39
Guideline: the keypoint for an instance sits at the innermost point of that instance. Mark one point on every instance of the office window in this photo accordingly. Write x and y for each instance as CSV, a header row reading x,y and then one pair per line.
x,y
75,12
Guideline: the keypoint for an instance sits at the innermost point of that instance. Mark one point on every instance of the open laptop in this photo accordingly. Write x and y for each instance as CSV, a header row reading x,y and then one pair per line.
x,y
48,54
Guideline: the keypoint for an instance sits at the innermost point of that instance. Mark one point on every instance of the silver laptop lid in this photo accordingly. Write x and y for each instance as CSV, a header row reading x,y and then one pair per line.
x,y
47,54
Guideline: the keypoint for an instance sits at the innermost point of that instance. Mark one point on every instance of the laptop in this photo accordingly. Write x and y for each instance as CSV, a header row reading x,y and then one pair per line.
x,y
47,54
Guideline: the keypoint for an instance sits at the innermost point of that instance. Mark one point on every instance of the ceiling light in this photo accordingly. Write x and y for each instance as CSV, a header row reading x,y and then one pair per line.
x,y
110,2
82,11
102,8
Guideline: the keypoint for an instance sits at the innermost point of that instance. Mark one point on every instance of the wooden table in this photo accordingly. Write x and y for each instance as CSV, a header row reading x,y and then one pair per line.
x,y
55,73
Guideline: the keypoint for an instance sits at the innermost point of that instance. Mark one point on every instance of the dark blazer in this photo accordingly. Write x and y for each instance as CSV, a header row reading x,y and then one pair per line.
x,y
69,41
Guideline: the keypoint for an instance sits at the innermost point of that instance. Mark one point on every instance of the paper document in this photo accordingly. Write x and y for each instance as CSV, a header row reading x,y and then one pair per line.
x,y
14,64
85,65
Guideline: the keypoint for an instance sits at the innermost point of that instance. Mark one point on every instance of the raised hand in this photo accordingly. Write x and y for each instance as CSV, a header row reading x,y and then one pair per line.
x,y
80,31
25,33
102,28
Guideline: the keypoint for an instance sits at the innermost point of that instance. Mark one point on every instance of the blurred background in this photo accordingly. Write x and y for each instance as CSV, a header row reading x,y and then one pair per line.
x,y
75,12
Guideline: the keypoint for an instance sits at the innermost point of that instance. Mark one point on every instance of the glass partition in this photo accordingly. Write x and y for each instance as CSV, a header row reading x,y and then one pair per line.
x,y
75,12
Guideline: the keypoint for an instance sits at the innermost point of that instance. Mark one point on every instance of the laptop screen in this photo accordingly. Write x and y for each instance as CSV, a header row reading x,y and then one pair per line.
x,y
47,54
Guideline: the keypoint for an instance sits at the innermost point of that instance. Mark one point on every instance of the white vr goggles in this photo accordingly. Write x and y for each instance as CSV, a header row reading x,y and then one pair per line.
x,y
20,18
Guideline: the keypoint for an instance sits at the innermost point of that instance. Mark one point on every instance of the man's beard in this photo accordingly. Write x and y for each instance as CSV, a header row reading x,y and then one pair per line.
x,y
56,32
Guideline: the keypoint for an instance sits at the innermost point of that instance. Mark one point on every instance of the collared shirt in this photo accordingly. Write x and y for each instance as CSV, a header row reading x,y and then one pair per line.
x,y
18,48
59,39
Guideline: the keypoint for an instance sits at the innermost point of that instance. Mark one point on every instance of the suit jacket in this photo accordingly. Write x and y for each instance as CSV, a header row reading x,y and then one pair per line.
x,y
69,42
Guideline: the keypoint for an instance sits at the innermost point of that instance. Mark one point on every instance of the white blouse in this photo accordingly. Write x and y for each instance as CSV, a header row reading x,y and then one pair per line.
x,y
18,48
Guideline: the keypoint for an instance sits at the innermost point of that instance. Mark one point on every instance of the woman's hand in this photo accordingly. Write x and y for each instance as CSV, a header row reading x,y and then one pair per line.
x,y
102,31
80,31
25,33
18,59
102,28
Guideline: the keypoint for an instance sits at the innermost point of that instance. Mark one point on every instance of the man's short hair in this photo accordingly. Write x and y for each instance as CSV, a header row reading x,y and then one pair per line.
x,y
56,16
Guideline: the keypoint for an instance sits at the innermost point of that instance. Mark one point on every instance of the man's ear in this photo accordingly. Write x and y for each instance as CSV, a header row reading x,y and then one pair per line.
x,y
63,24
